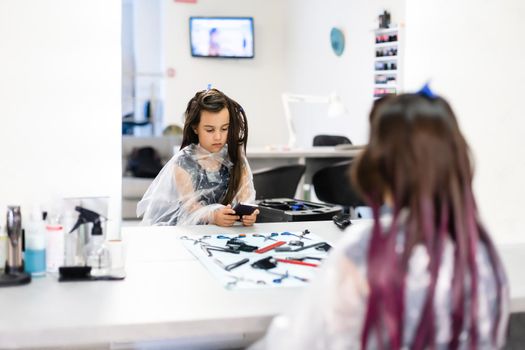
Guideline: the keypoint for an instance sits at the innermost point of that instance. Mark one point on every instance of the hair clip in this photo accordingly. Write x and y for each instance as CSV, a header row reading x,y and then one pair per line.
x,y
427,92
209,87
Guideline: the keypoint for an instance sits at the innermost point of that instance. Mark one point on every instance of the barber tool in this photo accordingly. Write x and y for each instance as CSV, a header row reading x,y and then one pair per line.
x,y
14,269
286,275
319,246
296,243
265,263
273,234
302,258
208,248
195,241
270,247
342,220
236,264
237,244
237,279
304,233
296,262
222,237
293,234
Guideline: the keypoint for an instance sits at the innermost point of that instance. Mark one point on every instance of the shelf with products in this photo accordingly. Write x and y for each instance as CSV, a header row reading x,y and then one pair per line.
x,y
387,61
385,86
386,71
385,58
393,29
387,44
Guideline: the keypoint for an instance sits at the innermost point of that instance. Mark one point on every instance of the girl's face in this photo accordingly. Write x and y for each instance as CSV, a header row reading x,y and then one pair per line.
x,y
212,130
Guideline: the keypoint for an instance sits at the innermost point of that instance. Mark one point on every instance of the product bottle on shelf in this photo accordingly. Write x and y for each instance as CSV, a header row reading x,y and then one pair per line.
x,y
54,244
71,239
35,245
96,252
97,255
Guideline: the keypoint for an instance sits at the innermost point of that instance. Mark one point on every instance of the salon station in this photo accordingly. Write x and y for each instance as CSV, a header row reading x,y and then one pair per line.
x,y
96,95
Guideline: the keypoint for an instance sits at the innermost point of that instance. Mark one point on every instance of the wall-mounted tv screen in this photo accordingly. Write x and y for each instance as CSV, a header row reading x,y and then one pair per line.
x,y
230,37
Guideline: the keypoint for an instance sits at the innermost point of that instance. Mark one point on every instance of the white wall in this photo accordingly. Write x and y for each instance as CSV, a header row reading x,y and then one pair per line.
x,y
473,52
149,83
60,102
256,83
312,68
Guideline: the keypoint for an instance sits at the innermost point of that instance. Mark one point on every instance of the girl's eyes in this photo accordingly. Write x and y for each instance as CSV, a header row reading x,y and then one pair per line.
x,y
212,130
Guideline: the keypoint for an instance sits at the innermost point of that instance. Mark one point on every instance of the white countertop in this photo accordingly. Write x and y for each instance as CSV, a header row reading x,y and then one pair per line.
x,y
167,294
310,152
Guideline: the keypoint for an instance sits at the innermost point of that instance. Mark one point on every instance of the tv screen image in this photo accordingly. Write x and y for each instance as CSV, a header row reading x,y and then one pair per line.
x,y
222,37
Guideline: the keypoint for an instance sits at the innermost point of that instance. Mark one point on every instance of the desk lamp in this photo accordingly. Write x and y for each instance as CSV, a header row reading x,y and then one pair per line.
x,y
335,109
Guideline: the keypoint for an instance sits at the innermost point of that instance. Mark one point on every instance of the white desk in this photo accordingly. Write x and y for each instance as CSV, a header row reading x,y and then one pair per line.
x,y
264,157
167,294
303,153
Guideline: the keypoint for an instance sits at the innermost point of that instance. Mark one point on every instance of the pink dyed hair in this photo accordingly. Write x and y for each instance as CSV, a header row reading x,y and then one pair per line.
x,y
417,154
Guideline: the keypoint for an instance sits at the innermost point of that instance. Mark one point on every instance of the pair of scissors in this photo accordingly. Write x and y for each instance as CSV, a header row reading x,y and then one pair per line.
x,y
293,234
273,234
236,279
195,241
286,275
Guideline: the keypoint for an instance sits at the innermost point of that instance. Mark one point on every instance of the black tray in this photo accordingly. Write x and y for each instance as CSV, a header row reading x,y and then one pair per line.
x,y
286,210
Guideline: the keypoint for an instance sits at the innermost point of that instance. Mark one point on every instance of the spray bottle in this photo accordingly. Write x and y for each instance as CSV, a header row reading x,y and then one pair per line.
x,y
96,252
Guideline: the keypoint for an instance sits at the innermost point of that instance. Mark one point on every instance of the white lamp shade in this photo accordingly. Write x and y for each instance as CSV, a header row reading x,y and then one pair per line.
x,y
336,108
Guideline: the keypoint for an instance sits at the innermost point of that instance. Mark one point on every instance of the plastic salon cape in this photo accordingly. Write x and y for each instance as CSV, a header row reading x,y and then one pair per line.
x,y
191,186
330,312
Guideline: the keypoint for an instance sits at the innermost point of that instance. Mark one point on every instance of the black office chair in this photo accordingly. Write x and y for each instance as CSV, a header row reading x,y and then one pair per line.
x,y
278,182
332,185
331,140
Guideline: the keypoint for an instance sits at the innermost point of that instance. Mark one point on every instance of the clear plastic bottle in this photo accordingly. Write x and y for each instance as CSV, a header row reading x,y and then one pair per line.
x,y
98,256
35,253
70,240
54,245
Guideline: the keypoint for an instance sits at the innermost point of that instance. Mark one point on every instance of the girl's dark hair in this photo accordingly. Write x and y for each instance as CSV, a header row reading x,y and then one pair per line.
x,y
418,156
213,100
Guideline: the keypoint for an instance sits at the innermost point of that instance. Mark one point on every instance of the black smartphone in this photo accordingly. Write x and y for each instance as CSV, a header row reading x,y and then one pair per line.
x,y
244,209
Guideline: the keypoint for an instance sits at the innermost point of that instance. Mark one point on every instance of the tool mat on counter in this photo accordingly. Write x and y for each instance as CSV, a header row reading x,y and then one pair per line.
x,y
260,260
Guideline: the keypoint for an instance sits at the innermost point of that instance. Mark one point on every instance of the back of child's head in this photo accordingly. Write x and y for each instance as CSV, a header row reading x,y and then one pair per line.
x,y
415,151
418,159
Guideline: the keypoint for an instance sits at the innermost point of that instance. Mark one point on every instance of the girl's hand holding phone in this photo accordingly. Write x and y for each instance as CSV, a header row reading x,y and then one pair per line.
x,y
225,216
249,220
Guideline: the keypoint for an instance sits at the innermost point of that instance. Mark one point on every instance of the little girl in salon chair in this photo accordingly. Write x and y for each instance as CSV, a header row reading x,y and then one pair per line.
x,y
424,276
209,173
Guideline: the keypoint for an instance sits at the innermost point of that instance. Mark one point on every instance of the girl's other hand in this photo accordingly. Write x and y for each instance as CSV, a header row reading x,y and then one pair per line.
x,y
225,216
249,220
